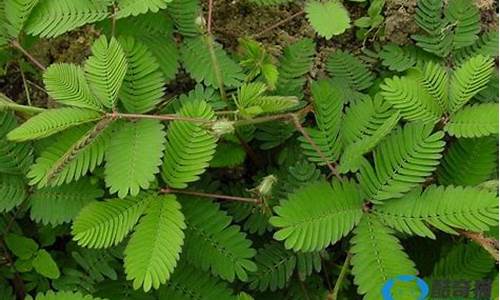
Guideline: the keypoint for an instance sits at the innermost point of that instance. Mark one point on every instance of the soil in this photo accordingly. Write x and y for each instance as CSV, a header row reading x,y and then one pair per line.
x,y
233,19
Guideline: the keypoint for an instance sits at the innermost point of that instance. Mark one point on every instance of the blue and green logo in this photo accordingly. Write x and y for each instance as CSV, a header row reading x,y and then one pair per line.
x,y
392,288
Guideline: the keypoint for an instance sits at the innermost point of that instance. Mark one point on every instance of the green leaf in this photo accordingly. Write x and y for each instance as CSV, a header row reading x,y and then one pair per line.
x,y
71,155
67,14
328,104
66,83
275,267
228,155
403,160
58,205
469,162
328,18
106,69
190,146
64,295
468,80
210,69
474,121
213,244
188,283
377,257
133,8
107,223
133,156
153,250
412,99
12,190
52,121
21,246
465,17
142,87
251,100
44,264
347,68
15,158
329,210
438,206
17,13
297,60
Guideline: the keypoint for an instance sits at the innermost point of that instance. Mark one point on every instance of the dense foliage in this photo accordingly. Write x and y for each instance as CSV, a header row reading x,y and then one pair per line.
x,y
166,166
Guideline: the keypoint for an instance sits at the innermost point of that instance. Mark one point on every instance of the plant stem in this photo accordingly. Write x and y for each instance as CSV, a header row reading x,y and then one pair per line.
x,y
270,28
166,117
6,103
25,85
343,273
488,244
210,195
209,18
16,45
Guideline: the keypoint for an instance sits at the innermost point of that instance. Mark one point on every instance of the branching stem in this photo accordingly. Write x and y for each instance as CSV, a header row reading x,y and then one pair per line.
x,y
488,244
15,44
284,21
335,293
210,195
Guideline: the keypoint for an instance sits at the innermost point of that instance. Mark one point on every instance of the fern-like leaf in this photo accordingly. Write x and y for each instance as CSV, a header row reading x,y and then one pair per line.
x,y
464,261
348,68
377,257
317,215
133,156
185,14
468,80
153,250
133,8
413,101
328,105
465,17
402,161
142,87
321,14
212,243
190,146
188,283
275,267
15,158
294,64
363,118
52,121
106,69
64,295
17,13
352,156
468,162
73,154
252,101
66,83
58,205
210,69
438,206
435,80
67,14
105,224
474,121
486,45
398,58
13,191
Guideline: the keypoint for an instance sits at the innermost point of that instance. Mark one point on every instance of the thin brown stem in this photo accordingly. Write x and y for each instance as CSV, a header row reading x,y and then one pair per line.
x,y
336,289
316,148
210,195
25,85
166,117
284,21
30,57
209,17
488,244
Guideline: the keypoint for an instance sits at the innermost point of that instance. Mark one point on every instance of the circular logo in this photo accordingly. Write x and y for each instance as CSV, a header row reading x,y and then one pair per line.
x,y
387,289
